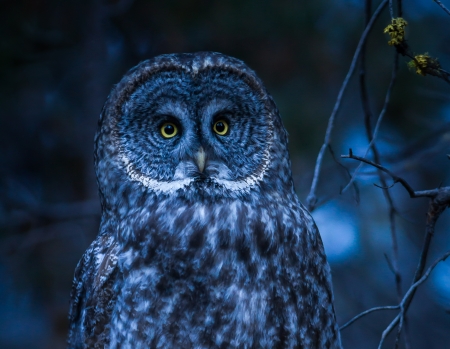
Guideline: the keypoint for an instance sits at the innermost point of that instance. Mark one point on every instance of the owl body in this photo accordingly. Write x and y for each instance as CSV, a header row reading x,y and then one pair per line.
x,y
203,242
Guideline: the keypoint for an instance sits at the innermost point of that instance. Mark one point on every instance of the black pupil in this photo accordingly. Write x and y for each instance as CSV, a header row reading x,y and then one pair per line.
x,y
169,129
220,127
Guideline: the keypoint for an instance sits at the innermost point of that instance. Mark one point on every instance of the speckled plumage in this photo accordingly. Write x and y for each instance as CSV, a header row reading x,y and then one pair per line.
x,y
224,258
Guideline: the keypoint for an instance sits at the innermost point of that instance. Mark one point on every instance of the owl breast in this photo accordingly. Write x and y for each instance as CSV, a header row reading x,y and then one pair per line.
x,y
218,276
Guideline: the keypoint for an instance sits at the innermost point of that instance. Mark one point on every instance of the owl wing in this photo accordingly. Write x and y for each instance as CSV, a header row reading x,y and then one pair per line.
x,y
92,296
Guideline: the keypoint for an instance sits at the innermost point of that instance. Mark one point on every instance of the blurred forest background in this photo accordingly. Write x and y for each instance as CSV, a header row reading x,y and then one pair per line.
x,y
59,59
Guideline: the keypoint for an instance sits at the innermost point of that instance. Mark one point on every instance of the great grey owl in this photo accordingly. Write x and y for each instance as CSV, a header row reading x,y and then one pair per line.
x,y
203,242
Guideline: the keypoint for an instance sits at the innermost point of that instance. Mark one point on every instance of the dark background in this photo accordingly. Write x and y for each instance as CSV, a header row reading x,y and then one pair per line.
x,y
58,61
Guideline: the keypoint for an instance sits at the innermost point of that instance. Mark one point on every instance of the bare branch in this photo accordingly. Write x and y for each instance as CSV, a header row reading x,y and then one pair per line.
x,y
440,196
355,186
311,199
384,187
399,329
403,304
442,6
408,297
396,179
380,119
376,155
399,8
391,8
364,313
391,267
440,200
434,211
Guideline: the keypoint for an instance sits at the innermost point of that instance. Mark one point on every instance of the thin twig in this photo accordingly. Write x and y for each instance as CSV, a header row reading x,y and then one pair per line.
x,y
364,313
392,213
362,79
391,9
399,329
402,305
377,125
442,6
395,178
393,229
440,200
311,199
390,265
367,122
399,8
434,211
419,147
408,297
384,187
355,186
440,195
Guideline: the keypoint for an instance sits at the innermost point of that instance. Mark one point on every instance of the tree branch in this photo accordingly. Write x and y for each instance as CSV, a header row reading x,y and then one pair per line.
x,y
364,313
440,200
406,301
377,125
442,6
396,179
367,122
311,199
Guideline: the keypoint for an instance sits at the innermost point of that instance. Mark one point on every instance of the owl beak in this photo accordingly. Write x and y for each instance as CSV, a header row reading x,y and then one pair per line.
x,y
200,159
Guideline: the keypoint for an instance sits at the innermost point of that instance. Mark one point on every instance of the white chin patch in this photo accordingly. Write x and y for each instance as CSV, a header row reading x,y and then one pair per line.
x,y
172,186
162,186
181,181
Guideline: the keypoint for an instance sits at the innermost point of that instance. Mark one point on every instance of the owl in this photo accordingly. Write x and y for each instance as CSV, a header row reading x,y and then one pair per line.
x,y
203,242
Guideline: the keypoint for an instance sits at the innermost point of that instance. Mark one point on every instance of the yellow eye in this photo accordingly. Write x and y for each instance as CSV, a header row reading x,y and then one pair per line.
x,y
169,130
221,127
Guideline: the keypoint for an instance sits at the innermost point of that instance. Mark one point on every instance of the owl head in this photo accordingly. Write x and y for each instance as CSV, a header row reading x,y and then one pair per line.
x,y
197,125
